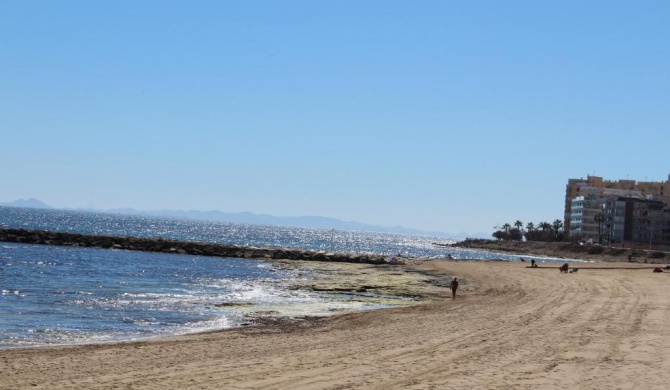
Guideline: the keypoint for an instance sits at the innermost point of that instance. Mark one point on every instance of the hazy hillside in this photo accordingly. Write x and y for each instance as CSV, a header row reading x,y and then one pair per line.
x,y
251,218
27,203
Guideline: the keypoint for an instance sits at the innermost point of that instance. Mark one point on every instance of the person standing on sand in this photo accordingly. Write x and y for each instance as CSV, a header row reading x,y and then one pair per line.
x,y
454,287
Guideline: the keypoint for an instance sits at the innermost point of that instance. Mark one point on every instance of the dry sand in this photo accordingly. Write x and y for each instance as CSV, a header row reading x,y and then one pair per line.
x,y
510,327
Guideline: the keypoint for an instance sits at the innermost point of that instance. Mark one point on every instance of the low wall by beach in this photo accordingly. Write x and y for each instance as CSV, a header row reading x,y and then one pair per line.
x,y
184,247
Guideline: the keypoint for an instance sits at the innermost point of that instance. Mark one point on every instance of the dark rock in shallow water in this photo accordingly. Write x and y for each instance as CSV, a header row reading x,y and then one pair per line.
x,y
232,304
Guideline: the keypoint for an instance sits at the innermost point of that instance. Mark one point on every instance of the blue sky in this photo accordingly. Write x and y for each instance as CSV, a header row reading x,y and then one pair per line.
x,y
438,115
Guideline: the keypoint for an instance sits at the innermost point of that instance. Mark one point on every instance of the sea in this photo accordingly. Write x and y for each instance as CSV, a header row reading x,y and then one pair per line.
x,y
55,295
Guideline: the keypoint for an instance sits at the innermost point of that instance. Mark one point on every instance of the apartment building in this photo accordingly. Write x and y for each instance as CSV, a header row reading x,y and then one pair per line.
x,y
583,221
642,222
596,186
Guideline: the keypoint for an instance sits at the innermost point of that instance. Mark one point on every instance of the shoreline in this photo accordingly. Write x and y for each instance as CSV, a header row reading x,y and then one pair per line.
x,y
406,287
340,284
510,327
343,287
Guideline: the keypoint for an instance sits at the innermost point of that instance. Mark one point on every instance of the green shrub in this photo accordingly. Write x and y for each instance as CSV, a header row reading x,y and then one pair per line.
x,y
657,255
596,250
617,252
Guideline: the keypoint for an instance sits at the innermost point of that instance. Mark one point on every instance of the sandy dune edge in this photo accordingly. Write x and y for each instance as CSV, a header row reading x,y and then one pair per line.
x,y
512,328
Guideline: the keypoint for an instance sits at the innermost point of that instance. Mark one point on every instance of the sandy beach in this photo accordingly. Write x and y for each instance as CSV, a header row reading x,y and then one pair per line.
x,y
511,327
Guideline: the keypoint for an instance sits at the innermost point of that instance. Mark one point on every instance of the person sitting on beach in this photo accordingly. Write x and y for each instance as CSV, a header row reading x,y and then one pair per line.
x,y
564,268
454,287
532,263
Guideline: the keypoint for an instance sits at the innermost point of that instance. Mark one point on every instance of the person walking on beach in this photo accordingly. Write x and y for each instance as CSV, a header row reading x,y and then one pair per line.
x,y
454,287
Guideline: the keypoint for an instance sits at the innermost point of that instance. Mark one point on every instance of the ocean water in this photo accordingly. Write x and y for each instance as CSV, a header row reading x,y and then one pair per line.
x,y
65,295
56,295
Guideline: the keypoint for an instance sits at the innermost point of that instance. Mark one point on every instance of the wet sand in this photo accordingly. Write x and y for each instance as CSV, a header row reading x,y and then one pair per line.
x,y
511,327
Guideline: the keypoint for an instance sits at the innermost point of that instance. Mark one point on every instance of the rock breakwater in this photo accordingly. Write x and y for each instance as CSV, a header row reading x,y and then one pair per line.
x,y
185,247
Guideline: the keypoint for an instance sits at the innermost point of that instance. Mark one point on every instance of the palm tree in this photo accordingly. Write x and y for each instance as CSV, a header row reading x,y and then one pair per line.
x,y
507,227
557,225
530,226
518,224
544,225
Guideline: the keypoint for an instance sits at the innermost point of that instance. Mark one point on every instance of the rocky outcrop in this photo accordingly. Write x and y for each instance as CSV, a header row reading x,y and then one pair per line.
x,y
183,247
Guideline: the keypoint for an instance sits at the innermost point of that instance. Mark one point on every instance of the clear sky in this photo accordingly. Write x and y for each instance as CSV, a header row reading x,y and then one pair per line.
x,y
439,115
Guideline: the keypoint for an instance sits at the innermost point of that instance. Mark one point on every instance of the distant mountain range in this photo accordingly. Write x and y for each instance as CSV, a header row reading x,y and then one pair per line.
x,y
29,203
251,218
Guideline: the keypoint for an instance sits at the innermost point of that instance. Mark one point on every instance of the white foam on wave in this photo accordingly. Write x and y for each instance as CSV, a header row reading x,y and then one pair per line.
x,y
258,292
216,323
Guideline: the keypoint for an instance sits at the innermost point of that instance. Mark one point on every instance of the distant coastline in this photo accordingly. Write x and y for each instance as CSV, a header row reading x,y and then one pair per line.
x,y
565,250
